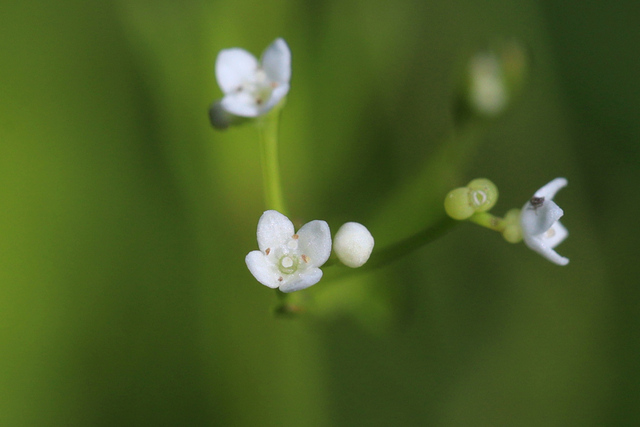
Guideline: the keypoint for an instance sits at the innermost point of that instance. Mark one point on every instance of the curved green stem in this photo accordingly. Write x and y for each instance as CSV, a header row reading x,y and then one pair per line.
x,y
405,246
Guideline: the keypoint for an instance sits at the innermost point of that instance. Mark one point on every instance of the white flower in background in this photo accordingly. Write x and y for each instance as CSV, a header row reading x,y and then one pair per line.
x,y
288,260
252,88
541,229
488,93
353,244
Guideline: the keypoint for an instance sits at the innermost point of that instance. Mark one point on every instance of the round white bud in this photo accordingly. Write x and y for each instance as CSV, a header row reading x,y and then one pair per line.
x,y
353,244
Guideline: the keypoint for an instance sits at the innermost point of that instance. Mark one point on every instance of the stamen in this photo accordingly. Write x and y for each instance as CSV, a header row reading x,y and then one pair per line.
x,y
280,279
295,237
305,258
267,251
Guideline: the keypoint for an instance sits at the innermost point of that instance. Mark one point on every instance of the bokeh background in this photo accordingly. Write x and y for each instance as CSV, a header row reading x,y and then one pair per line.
x,y
125,219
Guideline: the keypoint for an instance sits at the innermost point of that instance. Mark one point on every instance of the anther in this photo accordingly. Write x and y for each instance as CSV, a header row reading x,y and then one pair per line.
x,y
305,258
267,251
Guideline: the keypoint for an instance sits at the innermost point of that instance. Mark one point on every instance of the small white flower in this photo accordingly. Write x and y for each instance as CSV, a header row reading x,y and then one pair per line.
x,y
541,229
353,244
250,88
288,260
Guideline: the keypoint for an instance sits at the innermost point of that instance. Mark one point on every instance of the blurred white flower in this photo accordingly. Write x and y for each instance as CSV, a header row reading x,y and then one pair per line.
x,y
353,244
488,93
252,88
287,260
541,228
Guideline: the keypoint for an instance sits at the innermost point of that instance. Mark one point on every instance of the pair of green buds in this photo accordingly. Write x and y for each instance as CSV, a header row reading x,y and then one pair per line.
x,y
473,203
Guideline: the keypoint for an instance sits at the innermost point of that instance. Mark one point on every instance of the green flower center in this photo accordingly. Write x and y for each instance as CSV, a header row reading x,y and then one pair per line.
x,y
288,264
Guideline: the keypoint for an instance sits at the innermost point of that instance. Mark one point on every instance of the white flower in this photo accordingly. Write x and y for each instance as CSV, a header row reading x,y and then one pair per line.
x,y
289,260
541,229
250,88
353,244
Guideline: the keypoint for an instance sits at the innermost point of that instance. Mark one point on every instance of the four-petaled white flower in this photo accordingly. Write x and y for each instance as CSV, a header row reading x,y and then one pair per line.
x,y
250,88
541,228
287,260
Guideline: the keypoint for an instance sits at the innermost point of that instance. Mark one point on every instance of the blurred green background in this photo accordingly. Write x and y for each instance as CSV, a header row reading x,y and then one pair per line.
x,y
124,298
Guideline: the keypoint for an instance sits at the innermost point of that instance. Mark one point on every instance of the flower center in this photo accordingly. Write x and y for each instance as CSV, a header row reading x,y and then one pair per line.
x,y
288,264
259,88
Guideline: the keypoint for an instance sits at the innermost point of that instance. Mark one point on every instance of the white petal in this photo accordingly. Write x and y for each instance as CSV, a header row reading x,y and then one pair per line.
x,y
274,229
241,104
549,191
276,96
233,67
276,62
537,244
310,277
262,269
538,220
555,235
315,242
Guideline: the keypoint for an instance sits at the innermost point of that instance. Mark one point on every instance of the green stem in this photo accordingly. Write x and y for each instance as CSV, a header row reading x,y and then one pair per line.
x,y
404,247
487,220
268,129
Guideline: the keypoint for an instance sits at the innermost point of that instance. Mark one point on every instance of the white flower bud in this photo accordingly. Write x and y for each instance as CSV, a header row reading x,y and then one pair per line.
x,y
353,244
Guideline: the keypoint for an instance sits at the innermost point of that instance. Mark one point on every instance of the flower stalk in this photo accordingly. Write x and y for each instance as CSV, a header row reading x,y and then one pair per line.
x,y
268,130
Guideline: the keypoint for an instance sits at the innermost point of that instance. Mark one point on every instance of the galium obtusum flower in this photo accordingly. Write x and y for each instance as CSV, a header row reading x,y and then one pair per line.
x,y
287,260
541,228
250,88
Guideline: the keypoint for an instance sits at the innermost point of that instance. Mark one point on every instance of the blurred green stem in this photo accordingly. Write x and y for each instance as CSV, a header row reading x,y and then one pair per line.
x,y
404,247
422,195
268,129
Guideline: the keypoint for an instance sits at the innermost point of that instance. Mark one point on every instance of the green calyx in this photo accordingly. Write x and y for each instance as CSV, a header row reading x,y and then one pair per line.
x,y
512,232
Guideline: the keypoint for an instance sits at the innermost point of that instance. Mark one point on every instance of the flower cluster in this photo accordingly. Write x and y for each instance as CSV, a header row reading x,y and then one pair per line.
x,y
291,261
537,223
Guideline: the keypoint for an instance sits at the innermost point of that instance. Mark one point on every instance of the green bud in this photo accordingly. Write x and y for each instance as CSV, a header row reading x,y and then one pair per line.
x,y
483,194
457,204
512,231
